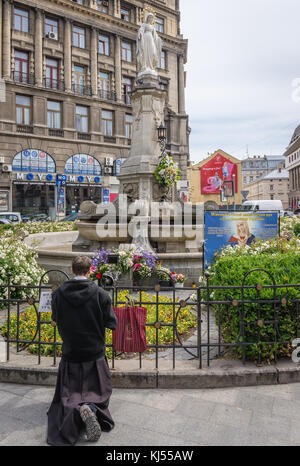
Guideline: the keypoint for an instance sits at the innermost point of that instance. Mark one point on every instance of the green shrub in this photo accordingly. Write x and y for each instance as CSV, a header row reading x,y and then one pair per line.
x,y
280,259
297,229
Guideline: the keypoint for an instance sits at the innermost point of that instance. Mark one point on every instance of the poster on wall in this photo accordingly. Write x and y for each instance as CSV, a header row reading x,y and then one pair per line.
x,y
236,228
215,172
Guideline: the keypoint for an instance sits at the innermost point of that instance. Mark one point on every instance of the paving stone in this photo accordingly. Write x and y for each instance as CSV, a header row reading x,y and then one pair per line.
x,y
286,408
232,416
195,408
255,401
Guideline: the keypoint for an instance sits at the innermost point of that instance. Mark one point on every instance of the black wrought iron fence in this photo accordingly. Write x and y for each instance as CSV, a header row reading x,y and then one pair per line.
x,y
255,320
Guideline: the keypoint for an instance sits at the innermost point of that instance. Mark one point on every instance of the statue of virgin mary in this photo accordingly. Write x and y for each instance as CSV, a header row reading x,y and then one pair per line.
x,y
149,47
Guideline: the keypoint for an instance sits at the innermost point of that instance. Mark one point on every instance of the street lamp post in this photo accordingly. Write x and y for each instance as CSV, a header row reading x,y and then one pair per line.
x,y
162,131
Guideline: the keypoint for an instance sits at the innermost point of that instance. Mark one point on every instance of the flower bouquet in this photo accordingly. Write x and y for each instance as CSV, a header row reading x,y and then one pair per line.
x,y
167,172
178,279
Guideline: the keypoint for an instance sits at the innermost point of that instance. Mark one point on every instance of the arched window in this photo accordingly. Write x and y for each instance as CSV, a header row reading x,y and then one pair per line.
x,y
83,164
117,166
33,160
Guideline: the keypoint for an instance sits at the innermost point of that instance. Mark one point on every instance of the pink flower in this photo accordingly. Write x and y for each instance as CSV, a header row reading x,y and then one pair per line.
x,y
135,267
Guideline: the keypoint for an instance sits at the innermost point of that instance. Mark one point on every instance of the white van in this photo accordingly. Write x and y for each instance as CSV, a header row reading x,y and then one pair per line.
x,y
13,217
265,206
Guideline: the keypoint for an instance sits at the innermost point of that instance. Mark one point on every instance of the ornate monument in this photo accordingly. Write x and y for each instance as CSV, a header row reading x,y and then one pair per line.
x,y
138,181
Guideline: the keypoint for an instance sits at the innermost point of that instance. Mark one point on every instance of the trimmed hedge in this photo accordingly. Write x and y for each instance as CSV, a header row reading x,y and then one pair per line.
x,y
281,259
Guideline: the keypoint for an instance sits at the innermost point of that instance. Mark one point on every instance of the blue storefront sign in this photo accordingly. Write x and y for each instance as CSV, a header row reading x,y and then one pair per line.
x,y
236,228
105,195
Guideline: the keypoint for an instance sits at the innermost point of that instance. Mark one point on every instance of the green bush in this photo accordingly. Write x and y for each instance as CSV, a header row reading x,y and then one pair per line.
x,y
297,229
278,258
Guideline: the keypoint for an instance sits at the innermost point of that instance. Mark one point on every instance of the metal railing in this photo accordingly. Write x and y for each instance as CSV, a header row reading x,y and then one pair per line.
x,y
54,84
23,78
82,90
222,319
107,95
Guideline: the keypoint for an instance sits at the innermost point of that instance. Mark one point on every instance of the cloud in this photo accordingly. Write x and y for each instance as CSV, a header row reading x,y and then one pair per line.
x,y
242,60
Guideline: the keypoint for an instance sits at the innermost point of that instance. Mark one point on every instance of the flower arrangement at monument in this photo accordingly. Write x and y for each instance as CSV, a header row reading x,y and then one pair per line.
x,y
167,172
143,264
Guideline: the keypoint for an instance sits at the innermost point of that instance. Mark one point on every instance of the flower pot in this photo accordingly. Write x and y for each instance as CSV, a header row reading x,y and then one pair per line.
x,y
179,285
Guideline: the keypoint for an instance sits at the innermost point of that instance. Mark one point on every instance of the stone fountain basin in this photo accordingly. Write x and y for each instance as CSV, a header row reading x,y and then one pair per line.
x,y
55,253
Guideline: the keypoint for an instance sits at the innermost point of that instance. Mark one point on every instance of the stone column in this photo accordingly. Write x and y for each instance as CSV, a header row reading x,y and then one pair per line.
x,y
181,89
117,8
68,55
38,52
1,39
94,62
6,56
118,68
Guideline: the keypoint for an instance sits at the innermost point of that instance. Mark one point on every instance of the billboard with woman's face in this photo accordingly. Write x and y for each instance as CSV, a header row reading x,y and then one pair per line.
x,y
236,229
215,172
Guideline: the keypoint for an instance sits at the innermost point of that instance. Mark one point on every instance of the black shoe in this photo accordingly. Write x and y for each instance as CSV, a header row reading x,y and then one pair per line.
x,y
93,429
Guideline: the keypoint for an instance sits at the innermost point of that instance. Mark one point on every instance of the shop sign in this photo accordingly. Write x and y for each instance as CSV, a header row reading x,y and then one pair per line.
x,y
52,178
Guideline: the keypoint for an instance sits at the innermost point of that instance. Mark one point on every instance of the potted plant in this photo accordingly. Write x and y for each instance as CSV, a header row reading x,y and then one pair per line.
x,y
178,279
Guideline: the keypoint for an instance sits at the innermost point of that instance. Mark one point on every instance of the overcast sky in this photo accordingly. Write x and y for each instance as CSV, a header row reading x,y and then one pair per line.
x,y
243,57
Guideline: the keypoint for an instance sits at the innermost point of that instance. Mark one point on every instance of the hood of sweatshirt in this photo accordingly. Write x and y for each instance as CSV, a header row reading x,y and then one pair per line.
x,y
77,292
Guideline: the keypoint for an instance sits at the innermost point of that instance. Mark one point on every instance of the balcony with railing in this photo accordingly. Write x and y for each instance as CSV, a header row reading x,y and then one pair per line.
x,y
84,136
107,95
23,78
54,84
82,90
54,132
25,129
126,99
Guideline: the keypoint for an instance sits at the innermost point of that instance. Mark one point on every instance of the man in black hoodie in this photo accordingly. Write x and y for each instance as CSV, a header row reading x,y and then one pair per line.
x,y
81,310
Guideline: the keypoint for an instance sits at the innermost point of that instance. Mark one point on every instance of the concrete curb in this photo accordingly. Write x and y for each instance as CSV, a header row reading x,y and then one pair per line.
x,y
225,377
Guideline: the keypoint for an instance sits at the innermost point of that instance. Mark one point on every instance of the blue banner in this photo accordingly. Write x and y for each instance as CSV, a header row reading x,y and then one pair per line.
x,y
236,228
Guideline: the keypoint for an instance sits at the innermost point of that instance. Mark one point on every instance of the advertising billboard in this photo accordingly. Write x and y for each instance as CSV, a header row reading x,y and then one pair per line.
x,y
215,172
236,228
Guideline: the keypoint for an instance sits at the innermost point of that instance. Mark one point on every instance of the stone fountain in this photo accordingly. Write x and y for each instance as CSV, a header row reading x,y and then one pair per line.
x,y
146,214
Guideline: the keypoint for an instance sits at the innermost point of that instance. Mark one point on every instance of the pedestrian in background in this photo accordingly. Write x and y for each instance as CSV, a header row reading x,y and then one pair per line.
x,y
81,310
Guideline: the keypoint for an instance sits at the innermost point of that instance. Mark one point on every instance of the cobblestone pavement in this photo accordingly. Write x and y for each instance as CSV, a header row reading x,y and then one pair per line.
x,y
263,415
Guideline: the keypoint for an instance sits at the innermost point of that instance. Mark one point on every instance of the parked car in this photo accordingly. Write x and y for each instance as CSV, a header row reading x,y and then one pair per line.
x,y
288,213
297,212
3,221
70,218
40,218
26,218
13,217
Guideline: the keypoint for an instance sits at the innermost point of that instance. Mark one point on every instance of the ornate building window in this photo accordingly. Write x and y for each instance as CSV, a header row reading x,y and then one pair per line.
x,y
102,6
107,123
78,37
23,110
83,164
82,119
128,125
33,160
103,45
21,20
54,114
126,51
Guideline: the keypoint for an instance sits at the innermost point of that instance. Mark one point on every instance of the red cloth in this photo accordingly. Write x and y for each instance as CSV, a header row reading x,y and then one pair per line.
x,y
130,335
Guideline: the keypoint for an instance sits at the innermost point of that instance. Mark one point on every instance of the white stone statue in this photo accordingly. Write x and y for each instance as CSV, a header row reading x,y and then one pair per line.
x,y
149,47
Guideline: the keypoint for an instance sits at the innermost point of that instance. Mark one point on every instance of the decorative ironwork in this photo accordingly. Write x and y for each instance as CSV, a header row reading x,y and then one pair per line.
x,y
207,339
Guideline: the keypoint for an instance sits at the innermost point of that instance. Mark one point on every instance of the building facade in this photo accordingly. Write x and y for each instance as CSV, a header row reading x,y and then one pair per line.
x,y
292,163
273,186
211,178
256,167
69,67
